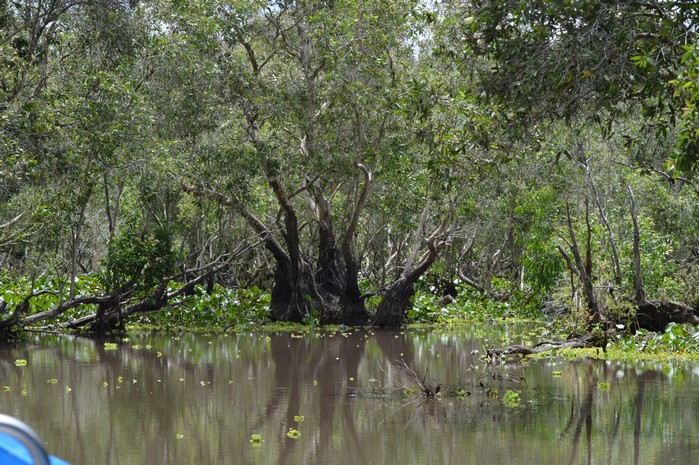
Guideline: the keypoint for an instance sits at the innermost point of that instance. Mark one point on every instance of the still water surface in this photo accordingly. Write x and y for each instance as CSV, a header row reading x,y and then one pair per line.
x,y
162,399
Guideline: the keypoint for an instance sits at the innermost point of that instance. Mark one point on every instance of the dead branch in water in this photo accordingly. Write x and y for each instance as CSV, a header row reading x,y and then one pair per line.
x,y
544,346
426,389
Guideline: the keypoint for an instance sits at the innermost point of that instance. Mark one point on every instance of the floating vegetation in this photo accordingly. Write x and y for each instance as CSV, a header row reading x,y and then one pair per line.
x,y
511,399
256,440
602,386
179,436
298,418
110,346
293,433
20,362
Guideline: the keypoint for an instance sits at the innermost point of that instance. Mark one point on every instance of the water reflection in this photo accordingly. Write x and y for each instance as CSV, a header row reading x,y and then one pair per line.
x,y
161,399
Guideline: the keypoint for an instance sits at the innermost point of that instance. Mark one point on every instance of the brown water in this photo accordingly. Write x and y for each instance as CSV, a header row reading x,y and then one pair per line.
x,y
159,399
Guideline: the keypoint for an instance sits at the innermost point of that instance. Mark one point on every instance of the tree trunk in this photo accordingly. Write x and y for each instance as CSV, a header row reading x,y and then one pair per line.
x,y
108,317
638,285
583,268
294,294
354,312
77,239
396,299
394,304
330,275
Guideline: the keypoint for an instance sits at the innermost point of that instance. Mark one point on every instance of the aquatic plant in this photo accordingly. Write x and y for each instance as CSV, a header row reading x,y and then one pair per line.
x,y
511,399
675,338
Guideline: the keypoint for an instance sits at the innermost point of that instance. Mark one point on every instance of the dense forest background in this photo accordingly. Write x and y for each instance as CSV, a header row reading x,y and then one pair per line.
x,y
220,162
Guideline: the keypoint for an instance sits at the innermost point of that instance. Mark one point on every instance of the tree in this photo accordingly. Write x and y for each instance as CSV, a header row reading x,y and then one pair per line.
x,y
316,97
599,60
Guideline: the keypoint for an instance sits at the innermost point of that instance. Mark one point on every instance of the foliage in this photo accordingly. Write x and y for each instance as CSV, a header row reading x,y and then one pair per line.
x,y
594,59
222,307
511,399
469,305
506,114
687,96
675,338
541,262
256,440
138,259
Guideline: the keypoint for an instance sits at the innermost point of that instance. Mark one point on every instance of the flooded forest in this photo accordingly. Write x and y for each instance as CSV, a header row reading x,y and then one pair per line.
x,y
321,231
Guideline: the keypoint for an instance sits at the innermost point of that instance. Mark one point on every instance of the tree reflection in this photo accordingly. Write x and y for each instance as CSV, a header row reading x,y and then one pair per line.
x,y
198,400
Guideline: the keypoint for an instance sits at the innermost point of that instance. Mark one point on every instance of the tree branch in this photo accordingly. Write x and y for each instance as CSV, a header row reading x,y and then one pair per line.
x,y
265,234
356,212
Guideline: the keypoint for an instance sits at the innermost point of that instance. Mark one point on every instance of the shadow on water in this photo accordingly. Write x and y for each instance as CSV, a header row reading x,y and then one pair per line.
x,y
353,397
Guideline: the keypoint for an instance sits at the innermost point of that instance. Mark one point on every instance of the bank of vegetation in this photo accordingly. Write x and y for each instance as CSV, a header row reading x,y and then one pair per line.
x,y
357,163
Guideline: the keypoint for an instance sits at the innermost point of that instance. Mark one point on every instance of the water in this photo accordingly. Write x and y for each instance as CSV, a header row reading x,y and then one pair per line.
x,y
161,399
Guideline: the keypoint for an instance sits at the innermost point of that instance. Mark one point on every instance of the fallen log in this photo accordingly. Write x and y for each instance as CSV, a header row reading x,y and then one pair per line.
x,y
587,340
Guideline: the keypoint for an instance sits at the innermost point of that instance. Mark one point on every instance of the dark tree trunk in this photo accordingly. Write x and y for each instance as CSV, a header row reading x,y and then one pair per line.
x,y
394,304
585,164
9,326
330,274
294,294
112,312
396,299
354,311
108,318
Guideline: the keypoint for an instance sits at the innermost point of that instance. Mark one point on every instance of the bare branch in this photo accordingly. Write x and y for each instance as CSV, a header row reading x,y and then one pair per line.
x,y
266,235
